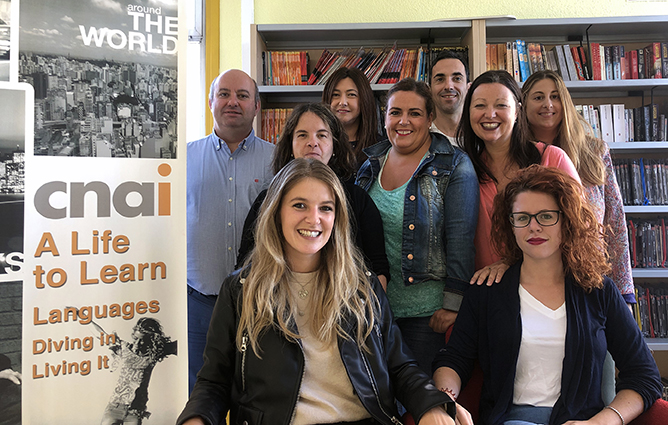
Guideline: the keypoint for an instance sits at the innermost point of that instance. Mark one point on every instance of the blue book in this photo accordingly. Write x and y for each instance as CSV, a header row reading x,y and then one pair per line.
x,y
524,60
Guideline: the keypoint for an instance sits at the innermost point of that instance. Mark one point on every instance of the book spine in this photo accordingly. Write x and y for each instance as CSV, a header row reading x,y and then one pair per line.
x,y
493,57
509,58
623,64
647,122
664,60
608,63
616,64
516,62
570,63
578,64
618,123
501,56
633,66
654,108
525,68
656,53
607,132
532,58
641,64
561,62
584,62
595,60
649,61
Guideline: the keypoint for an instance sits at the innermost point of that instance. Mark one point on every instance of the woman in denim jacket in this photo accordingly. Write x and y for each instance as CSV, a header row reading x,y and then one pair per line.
x,y
427,193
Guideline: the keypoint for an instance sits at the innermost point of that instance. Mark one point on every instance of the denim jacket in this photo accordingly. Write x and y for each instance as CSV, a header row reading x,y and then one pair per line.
x,y
440,216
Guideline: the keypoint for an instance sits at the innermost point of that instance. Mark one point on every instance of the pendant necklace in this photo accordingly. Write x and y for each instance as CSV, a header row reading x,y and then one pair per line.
x,y
303,293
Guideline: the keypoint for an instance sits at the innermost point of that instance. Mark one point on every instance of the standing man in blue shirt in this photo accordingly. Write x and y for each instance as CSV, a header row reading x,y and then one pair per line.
x,y
226,171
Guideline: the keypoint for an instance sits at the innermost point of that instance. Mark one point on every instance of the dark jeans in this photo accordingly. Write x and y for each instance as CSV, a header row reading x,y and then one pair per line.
x,y
200,309
422,340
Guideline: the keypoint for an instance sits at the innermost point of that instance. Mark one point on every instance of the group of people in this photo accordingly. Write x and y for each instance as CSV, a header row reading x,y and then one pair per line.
x,y
324,272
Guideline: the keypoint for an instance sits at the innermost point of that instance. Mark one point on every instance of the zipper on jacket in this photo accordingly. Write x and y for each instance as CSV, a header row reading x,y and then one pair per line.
x,y
393,419
244,347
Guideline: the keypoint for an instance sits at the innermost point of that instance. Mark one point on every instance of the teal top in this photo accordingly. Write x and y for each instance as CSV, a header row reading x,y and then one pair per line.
x,y
420,300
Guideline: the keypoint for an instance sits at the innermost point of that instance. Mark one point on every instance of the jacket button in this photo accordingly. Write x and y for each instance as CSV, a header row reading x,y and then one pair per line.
x,y
412,197
411,226
434,172
410,279
409,256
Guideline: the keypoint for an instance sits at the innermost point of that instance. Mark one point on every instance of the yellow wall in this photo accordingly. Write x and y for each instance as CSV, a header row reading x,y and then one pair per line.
x,y
230,34
305,11
336,11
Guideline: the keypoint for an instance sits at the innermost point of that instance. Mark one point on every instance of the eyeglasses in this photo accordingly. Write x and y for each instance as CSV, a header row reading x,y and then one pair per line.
x,y
544,218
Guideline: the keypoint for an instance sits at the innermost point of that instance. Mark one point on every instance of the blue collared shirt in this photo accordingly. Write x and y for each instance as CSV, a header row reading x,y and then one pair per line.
x,y
221,187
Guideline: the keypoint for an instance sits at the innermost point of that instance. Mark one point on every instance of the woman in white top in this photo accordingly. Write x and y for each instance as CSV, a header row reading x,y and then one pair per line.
x,y
541,334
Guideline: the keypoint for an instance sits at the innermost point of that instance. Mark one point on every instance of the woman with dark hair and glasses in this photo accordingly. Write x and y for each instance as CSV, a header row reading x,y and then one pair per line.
x,y
542,333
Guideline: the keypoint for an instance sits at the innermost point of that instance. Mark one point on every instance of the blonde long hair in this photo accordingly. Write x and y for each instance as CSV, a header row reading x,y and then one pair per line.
x,y
342,289
573,135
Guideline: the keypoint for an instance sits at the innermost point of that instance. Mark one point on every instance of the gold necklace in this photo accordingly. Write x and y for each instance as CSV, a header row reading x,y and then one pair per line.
x,y
303,293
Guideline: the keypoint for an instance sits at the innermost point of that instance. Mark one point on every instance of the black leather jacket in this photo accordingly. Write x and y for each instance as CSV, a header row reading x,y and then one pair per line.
x,y
265,390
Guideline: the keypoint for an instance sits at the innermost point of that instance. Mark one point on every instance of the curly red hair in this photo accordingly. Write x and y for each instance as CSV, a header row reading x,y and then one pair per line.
x,y
583,249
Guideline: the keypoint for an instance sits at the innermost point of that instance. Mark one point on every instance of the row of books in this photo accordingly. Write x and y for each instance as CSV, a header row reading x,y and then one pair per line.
x,y
618,63
642,181
521,59
651,311
273,122
381,66
285,68
647,243
578,63
617,124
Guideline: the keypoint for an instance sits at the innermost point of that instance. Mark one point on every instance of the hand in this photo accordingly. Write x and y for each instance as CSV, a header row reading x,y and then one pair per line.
x,y
463,417
442,319
383,281
436,416
492,274
15,377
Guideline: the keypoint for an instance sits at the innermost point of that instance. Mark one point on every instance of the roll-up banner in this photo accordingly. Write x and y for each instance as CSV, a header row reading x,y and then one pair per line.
x,y
104,301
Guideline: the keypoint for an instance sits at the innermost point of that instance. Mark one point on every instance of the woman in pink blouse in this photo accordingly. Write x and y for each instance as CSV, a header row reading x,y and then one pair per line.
x,y
495,137
552,119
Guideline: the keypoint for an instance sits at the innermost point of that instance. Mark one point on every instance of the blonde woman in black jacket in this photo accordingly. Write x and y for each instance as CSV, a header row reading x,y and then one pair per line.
x,y
304,335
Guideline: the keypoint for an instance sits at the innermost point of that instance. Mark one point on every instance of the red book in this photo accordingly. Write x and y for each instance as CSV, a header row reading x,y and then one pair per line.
x,y
595,57
633,63
624,67
578,64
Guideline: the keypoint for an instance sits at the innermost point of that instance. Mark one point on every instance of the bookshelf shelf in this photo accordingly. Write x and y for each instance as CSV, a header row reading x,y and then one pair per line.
x,y
646,209
310,89
650,273
639,147
657,344
310,36
608,30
